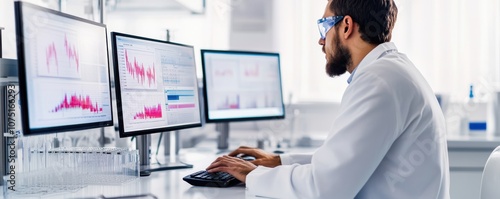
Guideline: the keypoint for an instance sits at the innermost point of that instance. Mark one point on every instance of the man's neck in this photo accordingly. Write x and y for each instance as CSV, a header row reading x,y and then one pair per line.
x,y
358,53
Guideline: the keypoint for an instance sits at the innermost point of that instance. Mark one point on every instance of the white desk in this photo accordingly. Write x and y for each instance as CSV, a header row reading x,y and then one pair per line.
x,y
164,184
468,155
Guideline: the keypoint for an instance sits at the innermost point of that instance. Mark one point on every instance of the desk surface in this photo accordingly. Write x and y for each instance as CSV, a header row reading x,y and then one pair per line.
x,y
169,184
473,142
164,184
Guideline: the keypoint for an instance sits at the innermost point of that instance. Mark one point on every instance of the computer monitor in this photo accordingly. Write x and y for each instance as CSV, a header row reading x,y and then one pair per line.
x,y
63,71
241,86
156,86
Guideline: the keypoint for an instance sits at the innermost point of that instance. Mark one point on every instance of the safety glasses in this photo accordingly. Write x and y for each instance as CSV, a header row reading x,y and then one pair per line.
x,y
325,24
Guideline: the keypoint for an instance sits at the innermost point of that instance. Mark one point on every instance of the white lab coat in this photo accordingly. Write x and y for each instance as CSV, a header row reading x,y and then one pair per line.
x,y
389,141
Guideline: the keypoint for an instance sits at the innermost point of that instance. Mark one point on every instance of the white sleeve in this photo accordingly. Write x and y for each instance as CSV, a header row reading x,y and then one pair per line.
x,y
360,137
287,159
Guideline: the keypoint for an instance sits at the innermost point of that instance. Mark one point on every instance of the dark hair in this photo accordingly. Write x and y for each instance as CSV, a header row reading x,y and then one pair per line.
x,y
375,18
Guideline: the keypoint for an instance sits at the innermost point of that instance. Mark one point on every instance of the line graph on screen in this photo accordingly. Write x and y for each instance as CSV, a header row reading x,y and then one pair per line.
x,y
141,70
59,55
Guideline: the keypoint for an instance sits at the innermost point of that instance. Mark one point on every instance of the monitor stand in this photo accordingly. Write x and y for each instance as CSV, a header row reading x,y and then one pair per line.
x,y
223,138
144,146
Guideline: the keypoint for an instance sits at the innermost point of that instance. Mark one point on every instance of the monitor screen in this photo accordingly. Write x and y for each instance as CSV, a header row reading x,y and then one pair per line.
x,y
242,86
156,85
63,71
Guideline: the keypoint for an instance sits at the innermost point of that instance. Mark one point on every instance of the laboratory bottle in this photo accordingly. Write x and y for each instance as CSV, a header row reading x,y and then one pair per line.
x,y
468,107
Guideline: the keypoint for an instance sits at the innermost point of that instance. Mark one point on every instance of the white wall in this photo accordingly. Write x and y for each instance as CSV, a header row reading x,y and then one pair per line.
x,y
452,42
251,26
8,35
303,62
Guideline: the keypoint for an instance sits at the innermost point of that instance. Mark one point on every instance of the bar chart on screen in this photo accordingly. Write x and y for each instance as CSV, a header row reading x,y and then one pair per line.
x,y
68,102
149,112
148,107
77,101
180,99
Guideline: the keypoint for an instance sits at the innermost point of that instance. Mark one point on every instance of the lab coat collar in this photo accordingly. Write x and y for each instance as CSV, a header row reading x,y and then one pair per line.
x,y
376,53
352,74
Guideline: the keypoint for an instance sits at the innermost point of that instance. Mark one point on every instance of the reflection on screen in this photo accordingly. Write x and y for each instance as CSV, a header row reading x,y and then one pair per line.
x,y
158,85
66,69
242,84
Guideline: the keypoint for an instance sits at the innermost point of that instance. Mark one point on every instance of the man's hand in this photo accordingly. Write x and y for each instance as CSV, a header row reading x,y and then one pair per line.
x,y
235,166
261,157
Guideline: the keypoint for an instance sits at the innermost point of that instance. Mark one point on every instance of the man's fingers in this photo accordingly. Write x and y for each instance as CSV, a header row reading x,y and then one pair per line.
x,y
256,162
214,165
240,149
246,151
236,152
222,161
218,162
218,169
234,166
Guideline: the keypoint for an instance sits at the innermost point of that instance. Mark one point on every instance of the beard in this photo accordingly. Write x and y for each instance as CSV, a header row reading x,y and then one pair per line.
x,y
338,63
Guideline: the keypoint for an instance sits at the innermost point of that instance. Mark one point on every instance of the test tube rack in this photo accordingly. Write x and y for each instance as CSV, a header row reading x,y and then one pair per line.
x,y
49,171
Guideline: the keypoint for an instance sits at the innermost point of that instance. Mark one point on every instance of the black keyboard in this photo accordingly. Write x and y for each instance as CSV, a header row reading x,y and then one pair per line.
x,y
217,179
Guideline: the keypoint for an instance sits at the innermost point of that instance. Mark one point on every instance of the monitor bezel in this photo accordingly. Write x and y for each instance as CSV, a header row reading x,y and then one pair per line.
x,y
121,129
239,119
23,87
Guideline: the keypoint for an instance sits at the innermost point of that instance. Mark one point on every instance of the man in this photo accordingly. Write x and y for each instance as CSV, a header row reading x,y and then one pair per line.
x,y
389,140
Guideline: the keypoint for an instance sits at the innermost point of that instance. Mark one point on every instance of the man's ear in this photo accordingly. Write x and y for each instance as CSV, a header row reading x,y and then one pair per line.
x,y
349,26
